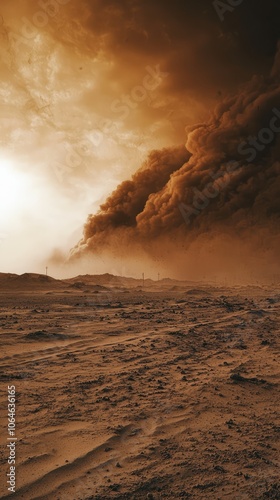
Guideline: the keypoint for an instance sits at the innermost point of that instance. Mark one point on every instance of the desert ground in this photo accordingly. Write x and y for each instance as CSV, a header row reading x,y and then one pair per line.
x,y
123,392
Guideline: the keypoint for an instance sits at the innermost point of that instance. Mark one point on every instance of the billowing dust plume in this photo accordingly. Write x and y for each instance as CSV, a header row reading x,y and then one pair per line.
x,y
211,208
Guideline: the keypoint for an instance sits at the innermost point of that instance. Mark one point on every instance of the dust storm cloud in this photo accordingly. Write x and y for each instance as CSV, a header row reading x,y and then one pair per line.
x,y
218,209
78,118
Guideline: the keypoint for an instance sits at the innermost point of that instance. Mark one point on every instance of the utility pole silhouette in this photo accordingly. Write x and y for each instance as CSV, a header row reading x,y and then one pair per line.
x,y
46,271
143,277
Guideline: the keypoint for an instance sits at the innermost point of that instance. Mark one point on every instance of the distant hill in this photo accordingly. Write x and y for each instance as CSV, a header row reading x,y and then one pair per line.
x,y
33,281
107,280
111,281
98,282
28,281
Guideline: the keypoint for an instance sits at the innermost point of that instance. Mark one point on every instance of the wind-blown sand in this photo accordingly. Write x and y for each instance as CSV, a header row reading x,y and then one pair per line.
x,y
123,393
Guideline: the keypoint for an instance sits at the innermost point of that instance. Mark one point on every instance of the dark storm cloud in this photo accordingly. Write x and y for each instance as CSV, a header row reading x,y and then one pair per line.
x,y
200,53
249,195
62,76
203,57
130,198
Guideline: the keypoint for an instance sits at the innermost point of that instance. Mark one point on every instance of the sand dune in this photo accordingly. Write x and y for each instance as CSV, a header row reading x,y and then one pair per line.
x,y
155,394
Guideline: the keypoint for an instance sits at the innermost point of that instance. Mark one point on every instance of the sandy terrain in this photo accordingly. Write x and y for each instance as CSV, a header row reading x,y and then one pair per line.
x,y
123,393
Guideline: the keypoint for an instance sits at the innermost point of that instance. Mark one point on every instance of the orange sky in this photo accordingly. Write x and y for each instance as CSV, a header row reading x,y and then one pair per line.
x,y
88,88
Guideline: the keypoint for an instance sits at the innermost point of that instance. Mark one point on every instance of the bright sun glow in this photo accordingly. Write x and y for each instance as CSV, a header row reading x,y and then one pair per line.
x,y
13,193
